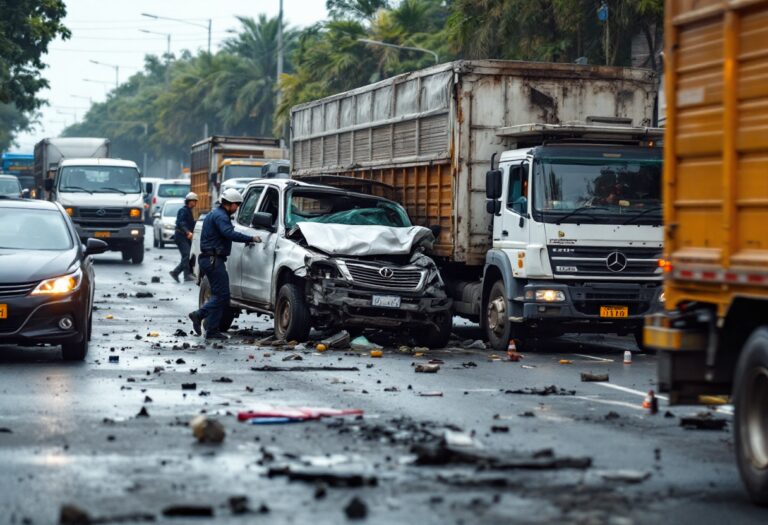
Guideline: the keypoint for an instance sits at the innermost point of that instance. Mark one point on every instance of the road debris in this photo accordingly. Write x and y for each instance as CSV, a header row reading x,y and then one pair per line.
x,y
207,430
473,344
339,340
239,505
144,295
703,421
297,414
114,359
512,353
293,357
627,357
427,369
223,379
550,390
336,477
362,344
188,511
189,386
320,347
356,509
155,279
651,402
376,353
589,377
566,362
267,368
431,394
625,476
143,412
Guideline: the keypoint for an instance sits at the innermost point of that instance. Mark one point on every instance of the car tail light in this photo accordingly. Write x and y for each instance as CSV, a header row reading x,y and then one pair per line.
x,y
154,200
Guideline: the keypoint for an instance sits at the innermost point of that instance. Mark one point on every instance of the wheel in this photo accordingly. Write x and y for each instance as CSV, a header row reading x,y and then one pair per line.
x,y
292,320
155,244
162,245
498,327
435,336
229,315
90,325
126,255
137,254
750,390
77,351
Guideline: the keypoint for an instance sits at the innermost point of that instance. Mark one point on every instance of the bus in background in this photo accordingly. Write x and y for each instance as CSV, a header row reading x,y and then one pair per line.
x,y
21,165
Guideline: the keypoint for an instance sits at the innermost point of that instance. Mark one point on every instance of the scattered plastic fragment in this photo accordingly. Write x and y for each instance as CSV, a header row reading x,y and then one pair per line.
x,y
427,369
565,362
362,344
338,340
376,353
593,378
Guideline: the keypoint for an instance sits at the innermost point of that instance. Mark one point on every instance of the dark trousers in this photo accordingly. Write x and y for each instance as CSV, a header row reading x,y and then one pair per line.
x,y
184,245
214,269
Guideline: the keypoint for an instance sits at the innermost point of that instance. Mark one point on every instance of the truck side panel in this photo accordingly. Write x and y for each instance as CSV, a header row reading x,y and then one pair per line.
x,y
716,164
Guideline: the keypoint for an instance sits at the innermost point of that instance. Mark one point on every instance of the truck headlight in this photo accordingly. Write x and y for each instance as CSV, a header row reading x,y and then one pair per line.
x,y
550,296
60,285
662,298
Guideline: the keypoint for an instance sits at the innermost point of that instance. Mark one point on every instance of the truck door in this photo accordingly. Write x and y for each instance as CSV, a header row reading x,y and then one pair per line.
x,y
243,225
510,230
258,259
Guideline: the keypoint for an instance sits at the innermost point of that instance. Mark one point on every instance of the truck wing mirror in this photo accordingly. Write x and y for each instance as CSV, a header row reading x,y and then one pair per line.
x,y
48,184
493,206
493,184
262,221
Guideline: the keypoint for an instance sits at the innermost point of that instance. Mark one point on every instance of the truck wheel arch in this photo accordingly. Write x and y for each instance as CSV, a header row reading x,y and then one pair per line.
x,y
497,266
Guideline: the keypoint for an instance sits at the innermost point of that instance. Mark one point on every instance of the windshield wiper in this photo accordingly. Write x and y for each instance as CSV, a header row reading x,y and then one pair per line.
x,y
644,212
76,188
112,190
578,210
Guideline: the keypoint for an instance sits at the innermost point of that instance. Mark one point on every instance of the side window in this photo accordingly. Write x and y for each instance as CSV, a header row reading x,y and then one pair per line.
x,y
517,196
271,204
245,213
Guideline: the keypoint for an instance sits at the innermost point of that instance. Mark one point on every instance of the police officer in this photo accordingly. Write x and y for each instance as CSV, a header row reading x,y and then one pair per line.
x,y
185,225
215,245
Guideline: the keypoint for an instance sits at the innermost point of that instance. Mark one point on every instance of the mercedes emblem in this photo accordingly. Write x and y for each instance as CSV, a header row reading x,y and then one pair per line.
x,y
616,261
386,273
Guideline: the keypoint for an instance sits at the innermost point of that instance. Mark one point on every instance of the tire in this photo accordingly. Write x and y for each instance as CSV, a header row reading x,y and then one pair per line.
x,y
498,327
154,242
137,254
126,255
162,245
292,319
77,351
436,336
229,315
750,390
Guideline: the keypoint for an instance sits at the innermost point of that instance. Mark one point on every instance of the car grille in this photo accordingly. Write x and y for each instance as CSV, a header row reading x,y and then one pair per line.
x,y
593,261
103,213
369,275
16,289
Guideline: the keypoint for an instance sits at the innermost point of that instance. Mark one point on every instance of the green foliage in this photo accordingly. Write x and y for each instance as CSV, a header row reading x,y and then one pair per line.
x,y
12,121
26,29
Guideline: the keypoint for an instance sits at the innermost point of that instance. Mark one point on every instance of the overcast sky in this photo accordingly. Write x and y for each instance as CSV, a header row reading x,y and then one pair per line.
x,y
108,31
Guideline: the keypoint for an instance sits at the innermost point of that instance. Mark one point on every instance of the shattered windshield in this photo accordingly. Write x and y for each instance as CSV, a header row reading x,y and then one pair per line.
x,y
608,190
305,205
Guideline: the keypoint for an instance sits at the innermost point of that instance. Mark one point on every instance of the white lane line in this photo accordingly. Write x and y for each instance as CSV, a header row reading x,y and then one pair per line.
x,y
629,390
609,402
595,358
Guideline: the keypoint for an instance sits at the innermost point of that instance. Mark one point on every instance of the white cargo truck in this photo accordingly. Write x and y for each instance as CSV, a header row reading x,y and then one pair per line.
x,y
562,236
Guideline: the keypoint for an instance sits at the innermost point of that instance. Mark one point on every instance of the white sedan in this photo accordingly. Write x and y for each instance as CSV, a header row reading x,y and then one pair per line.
x,y
164,222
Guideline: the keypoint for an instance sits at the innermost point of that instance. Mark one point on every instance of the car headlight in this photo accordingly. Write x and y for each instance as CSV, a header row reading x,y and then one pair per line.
x,y
60,285
169,226
550,296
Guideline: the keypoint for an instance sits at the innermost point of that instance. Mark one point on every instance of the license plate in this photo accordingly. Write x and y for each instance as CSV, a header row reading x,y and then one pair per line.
x,y
3,311
99,235
386,301
614,311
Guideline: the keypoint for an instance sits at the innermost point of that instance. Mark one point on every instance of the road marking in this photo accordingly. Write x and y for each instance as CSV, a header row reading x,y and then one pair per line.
x,y
629,390
595,358
609,402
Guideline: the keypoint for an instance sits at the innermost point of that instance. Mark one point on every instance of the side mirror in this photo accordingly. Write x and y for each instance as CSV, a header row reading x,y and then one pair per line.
x,y
25,192
48,184
493,206
95,246
155,215
262,221
493,184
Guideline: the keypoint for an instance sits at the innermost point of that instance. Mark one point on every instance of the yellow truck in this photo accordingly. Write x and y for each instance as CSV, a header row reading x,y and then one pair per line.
x,y
713,336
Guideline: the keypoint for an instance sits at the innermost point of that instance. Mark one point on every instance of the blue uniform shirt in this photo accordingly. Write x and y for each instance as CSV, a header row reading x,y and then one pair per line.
x,y
185,222
218,234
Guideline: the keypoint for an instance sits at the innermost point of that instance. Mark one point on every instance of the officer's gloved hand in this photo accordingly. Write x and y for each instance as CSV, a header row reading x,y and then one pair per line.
x,y
256,239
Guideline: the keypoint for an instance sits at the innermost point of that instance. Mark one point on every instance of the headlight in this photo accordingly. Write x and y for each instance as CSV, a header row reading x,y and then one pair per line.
x,y
662,298
70,211
550,296
60,285
169,226
135,213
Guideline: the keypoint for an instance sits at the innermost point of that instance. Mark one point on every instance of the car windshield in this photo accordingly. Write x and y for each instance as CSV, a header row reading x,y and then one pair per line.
x,y
342,208
100,179
603,190
172,208
172,190
9,187
33,229
242,172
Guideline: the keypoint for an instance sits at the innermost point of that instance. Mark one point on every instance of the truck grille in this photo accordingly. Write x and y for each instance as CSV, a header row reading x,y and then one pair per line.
x,y
605,262
103,213
384,277
588,298
16,289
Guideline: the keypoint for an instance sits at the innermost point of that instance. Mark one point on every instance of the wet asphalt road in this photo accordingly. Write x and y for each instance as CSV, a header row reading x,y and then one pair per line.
x,y
73,436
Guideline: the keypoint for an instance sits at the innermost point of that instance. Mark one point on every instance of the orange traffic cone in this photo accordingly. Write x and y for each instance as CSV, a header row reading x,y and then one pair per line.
x,y
651,402
512,351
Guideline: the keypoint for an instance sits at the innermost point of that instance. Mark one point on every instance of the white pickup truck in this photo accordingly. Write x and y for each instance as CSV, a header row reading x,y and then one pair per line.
x,y
332,258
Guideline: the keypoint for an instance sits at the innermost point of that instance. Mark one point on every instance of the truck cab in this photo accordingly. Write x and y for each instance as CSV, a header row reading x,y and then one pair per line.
x,y
105,199
576,240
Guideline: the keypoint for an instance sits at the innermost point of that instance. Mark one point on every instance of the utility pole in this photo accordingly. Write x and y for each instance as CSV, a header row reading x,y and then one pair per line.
x,y
602,16
117,70
182,21
280,55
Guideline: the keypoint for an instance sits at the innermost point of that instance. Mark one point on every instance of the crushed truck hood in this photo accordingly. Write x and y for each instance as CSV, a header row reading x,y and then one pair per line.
x,y
358,241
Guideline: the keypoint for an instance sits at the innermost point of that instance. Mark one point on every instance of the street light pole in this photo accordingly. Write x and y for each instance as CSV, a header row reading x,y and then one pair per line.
x,y
182,21
280,55
409,48
117,70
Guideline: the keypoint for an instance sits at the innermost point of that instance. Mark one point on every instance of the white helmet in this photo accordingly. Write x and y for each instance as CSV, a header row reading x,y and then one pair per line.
x,y
191,196
232,195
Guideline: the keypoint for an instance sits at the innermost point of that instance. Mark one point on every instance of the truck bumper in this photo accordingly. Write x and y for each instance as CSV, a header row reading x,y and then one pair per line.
x,y
353,307
117,238
580,309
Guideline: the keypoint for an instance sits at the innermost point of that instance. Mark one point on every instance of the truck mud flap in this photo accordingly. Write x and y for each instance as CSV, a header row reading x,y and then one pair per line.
x,y
682,375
